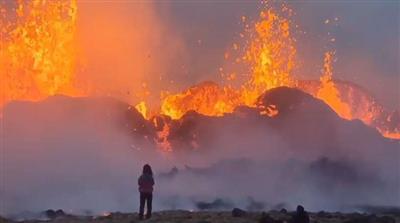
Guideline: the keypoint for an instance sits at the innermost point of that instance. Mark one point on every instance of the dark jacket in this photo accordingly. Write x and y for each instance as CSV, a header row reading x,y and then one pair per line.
x,y
146,183
301,217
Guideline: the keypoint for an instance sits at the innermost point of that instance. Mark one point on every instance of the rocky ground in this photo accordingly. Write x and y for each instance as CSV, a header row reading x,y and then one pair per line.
x,y
218,217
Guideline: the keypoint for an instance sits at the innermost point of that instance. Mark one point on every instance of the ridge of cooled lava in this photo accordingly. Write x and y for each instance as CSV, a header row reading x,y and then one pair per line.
x,y
92,143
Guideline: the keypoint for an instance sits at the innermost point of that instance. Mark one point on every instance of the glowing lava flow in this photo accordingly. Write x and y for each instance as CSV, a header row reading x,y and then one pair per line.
x,y
206,98
38,58
328,91
38,51
270,54
142,109
271,57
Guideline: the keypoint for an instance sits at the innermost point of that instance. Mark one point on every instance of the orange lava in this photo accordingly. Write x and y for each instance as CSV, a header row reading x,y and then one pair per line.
x,y
38,58
271,57
38,51
328,91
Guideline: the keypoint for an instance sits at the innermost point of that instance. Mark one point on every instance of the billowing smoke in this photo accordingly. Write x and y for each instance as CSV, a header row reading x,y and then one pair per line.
x,y
126,50
84,155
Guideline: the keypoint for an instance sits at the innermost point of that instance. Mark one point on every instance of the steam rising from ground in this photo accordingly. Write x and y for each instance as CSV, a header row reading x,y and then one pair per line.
x,y
84,155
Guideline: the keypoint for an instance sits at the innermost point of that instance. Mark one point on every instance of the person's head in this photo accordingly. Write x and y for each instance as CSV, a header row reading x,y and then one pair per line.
x,y
147,169
300,209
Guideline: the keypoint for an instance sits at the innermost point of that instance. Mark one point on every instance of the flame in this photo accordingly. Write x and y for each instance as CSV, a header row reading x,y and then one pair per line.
x,y
162,135
142,109
366,110
38,58
271,56
206,98
391,135
328,91
270,110
38,51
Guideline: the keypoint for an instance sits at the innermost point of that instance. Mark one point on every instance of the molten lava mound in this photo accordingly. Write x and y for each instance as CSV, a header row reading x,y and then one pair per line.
x,y
299,118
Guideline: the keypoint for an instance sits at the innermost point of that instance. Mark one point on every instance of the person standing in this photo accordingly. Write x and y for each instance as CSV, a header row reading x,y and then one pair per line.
x,y
301,216
146,183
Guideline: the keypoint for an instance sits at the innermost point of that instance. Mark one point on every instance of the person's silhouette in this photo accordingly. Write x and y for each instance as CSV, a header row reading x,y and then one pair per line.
x,y
146,183
301,216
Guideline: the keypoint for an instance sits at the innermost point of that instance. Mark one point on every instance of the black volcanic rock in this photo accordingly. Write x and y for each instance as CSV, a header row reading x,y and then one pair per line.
x,y
361,102
289,100
54,214
87,146
212,217
302,121
266,218
371,219
3,220
283,211
237,213
217,204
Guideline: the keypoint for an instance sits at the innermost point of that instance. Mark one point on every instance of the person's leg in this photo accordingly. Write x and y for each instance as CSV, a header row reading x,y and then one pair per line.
x,y
142,201
149,204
